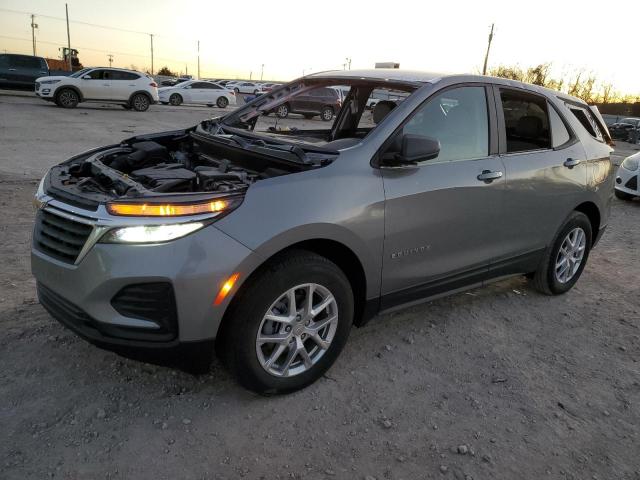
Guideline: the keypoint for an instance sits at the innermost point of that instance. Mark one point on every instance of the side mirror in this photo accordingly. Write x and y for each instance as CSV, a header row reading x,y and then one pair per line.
x,y
86,77
413,149
188,86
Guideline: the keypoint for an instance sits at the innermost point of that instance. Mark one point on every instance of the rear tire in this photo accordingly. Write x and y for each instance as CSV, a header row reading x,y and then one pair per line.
x,y
222,102
623,195
175,99
268,294
140,102
552,277
67,98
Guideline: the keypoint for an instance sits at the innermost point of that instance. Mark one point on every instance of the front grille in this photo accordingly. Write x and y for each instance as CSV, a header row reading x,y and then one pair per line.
x,y
632,183
60,237
153,302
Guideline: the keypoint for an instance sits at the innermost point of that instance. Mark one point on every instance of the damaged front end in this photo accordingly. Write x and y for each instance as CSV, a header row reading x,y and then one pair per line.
x,y
176,173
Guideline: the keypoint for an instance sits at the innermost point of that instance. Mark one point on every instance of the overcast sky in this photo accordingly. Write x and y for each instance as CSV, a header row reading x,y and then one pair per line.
x,y
236,38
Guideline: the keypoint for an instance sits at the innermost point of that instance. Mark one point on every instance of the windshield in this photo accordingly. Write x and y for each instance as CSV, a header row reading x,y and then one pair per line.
x,y
79,73
632,121
319,112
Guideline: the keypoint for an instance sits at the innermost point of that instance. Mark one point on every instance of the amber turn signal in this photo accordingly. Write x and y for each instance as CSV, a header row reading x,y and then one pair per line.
x,y
226,288
166,210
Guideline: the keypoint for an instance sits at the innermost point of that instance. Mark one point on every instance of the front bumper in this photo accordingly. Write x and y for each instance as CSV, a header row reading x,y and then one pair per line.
x,y
81,295
628,181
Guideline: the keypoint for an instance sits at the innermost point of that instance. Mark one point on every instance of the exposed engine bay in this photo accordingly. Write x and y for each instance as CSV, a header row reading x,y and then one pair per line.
x,y
186,164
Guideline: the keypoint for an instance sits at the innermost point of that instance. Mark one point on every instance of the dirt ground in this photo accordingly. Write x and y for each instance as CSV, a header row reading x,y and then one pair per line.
x,y
496,383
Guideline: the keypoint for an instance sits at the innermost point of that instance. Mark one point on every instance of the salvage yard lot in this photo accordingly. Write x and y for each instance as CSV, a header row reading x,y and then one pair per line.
x,y
531,386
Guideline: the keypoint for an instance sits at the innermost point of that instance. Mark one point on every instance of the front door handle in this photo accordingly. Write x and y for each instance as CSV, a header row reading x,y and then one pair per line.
x,y
571,162
488,176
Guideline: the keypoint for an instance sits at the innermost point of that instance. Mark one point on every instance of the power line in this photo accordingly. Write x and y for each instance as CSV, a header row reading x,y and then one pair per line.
x,y
126,54
20,12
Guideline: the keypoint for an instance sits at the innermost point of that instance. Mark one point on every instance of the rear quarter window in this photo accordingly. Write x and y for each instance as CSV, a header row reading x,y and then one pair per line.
x,y
587,121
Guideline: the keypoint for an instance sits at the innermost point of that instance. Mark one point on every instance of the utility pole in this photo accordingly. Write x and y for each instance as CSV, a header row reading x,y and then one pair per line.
x,y
348,62
198,59
261,71
66,10
486,57
110,59
151,36
34,25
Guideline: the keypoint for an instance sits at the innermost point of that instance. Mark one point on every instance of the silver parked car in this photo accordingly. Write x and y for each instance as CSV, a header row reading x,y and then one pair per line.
x,y
273,240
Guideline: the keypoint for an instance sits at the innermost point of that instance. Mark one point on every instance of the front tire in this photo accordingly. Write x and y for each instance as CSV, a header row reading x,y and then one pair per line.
x,y
175,99
623,195
565,260
326,114
283,111
67,98
222,102
288,325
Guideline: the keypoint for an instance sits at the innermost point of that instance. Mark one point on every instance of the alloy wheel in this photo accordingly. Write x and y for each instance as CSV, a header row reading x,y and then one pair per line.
x,y
570,255
67,98
297,330
140,103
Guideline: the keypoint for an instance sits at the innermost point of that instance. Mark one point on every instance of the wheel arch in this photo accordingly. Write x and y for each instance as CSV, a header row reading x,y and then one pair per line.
x,y
337,252
144,92
592,212
68,87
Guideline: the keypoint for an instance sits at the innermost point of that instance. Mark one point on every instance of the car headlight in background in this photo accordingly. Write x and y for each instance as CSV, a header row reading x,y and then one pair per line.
x,y
151,233
48,82
631,163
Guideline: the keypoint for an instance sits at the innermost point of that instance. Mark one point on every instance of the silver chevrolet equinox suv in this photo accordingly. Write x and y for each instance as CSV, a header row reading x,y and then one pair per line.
x,y
266,239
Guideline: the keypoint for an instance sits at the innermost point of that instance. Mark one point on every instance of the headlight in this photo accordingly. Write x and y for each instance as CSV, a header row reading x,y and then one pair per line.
x,y
48,82
631,163
150,233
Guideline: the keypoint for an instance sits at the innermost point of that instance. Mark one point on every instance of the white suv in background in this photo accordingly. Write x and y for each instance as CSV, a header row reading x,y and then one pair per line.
x,y
127,87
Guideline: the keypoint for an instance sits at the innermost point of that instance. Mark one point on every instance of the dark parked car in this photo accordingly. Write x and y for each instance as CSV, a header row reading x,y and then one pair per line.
x,y
21,71
621,130
319,101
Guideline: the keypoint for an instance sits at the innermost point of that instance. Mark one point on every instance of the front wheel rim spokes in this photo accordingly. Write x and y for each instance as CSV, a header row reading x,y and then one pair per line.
x,y
297,330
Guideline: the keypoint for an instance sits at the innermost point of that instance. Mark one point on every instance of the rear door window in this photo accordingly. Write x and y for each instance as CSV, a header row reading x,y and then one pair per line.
x,y
526,121
118,75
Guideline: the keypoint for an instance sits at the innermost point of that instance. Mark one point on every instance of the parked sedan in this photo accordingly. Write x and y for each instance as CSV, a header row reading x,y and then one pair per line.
x,y
197,92
621,129
247,87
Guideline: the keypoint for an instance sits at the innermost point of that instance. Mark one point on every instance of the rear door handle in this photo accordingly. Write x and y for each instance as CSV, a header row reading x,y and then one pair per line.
x,y
12,69
571,162
489,176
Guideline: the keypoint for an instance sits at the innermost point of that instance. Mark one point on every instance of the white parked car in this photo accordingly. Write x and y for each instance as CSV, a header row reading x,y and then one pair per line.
x,y
112,85
246,87
198,92
627,178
